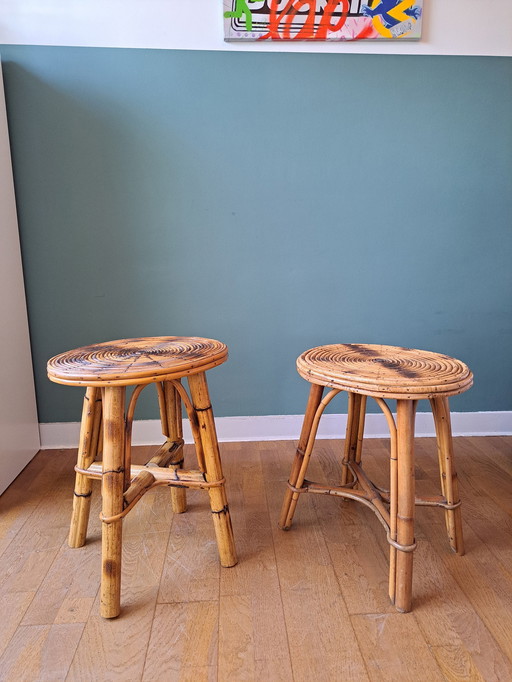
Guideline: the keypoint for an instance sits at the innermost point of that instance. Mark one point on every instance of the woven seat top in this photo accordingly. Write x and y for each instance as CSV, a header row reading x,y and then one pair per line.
x,y
136,361
385,371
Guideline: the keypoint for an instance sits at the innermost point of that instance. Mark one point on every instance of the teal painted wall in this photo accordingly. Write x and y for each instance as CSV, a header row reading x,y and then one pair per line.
x,y
273,201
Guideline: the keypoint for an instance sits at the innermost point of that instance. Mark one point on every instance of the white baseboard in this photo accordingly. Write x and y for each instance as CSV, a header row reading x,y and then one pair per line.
x,y
287,427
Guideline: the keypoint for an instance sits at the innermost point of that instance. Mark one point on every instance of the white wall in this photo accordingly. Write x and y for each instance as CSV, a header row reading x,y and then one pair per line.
x,y
19,432
450,27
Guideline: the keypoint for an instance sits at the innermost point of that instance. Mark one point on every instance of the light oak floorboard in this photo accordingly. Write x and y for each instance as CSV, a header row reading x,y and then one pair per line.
x,y
40,652
252,632
393,648
309,603
183,644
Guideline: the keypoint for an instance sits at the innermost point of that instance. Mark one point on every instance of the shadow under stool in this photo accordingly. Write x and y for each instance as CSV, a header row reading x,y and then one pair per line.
x,y
382,372
107,370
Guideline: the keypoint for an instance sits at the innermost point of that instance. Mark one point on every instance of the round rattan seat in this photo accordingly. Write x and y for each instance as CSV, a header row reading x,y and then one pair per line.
x,y
142,360
384,371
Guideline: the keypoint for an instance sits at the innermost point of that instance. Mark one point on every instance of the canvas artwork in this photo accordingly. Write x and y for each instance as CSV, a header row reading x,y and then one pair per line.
x,y
322,19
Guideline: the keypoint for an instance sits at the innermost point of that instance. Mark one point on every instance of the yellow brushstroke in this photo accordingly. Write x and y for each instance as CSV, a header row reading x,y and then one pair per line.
x,y
397,13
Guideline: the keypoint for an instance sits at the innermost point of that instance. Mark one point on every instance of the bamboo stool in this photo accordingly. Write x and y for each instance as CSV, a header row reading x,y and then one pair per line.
x,y
383,372
107,369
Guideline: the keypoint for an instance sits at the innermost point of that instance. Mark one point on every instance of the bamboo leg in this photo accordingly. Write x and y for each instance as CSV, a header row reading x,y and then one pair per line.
x,y
218,500
193,421
405,503
112,488
353,436
393,496
172,426
289,502
306,456
87,451
449,482
360,432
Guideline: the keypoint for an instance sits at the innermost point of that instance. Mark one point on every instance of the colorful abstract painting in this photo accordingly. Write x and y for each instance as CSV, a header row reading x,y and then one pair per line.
x,y
322,19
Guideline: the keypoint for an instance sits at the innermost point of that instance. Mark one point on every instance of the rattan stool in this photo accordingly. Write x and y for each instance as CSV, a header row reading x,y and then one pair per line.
x,y
107,369
383,372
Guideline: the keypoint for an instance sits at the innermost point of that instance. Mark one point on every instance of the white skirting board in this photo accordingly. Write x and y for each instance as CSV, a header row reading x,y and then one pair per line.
x,y
287,427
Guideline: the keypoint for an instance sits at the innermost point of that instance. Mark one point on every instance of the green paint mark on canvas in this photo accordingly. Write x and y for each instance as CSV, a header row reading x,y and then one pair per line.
x,y
241,9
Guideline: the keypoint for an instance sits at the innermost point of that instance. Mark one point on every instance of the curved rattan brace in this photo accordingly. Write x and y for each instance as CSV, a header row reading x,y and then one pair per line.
x,y
401,548
382,491
128,427
304,488
165,481
314,427
353,483
342,492
165,454
198,485
372,494
194,424
312,434
133,401
111,519
445,505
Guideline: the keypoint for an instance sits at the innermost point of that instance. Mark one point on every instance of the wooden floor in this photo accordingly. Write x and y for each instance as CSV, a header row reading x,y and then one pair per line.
x,y
308,604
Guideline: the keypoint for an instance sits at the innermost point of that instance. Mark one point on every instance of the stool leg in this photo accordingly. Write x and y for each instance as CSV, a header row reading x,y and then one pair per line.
x,y
290,498
449,483
360,430
87,450
353,435
405,503
172,427
218,500
112,488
